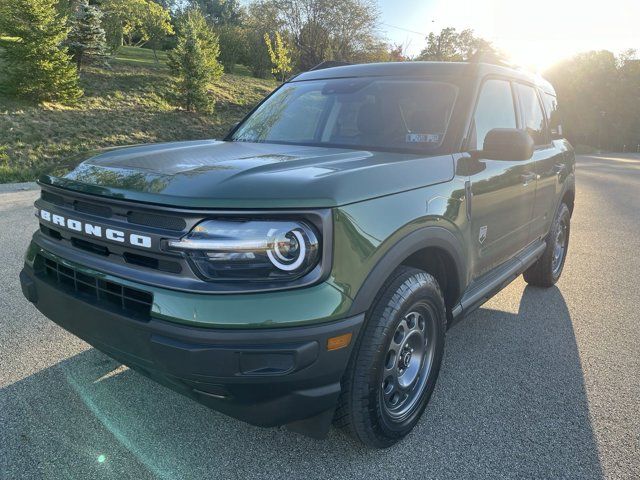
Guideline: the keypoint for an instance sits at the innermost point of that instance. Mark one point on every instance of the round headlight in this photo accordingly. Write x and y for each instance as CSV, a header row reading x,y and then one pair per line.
x,y
289,248
251,249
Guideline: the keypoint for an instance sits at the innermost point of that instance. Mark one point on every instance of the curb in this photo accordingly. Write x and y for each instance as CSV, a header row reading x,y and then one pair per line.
x,y
17,187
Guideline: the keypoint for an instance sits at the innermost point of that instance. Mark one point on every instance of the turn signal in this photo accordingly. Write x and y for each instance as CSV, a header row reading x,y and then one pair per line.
x,y
341,341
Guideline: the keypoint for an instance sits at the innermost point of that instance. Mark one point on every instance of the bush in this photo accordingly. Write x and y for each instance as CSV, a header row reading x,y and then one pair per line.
x,y
195,61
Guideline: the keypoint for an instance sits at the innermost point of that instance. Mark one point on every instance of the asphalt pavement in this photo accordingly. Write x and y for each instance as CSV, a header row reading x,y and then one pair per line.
x,y
536,384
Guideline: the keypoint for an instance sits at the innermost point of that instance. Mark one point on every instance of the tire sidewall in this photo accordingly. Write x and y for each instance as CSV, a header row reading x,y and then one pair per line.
x,y
390,311
563,213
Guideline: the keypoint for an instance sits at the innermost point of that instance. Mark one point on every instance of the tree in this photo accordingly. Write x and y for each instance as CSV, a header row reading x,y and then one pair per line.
x,y
233,45
155,26
322,30
145,21
227,18
219,12
86,37
280,56
262,17
121,19
452,46
36,65
599,98
195,61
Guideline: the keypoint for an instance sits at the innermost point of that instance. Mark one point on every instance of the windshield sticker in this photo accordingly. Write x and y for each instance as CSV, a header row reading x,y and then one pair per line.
x,y
423,138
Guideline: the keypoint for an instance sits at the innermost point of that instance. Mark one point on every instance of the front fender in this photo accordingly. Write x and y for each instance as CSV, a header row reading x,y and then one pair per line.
x,y
417,240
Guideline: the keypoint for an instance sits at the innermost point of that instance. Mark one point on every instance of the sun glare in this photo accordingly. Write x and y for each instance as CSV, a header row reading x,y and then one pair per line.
x,y
535,34
538,34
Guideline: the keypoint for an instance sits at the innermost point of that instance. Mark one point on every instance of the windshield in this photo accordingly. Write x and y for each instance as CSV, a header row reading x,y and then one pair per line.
x,y
375,113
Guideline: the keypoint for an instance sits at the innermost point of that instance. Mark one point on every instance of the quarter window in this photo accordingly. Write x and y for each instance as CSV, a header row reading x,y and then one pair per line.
x,y
494,110
534,121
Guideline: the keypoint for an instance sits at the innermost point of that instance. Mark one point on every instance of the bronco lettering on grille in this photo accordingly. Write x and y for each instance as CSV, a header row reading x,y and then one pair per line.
x,y
96,230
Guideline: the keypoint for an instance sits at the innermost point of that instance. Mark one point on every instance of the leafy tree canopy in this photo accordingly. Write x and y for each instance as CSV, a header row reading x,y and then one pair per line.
x,y
449,45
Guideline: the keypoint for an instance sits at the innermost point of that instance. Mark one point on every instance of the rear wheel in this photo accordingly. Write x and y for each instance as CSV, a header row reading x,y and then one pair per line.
x,y
548,268
394,368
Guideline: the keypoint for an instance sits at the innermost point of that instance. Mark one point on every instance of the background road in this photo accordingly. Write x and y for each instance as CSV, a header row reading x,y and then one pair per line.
x,y
536,384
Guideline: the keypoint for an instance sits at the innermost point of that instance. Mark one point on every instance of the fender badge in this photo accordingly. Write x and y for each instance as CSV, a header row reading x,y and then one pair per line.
x,y
483,234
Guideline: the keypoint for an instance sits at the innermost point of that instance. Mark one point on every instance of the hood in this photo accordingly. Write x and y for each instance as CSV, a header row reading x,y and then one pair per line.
x,y
214,174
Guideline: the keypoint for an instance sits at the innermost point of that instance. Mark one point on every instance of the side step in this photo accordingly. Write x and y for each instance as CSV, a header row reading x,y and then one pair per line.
x,y
486,287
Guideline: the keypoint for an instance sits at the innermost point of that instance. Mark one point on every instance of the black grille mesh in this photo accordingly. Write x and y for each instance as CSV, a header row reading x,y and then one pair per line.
x,y
52,198
129,301
92,209
158,221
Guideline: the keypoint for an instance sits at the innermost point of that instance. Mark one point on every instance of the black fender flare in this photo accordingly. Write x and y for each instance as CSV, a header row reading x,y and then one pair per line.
x,y
424,237
568,185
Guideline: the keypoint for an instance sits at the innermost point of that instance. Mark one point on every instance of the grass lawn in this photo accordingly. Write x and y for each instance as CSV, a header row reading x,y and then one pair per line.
x,y
127,102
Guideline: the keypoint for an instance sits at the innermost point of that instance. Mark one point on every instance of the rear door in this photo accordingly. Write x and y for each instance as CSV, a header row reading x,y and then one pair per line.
x,y
502,191
550,165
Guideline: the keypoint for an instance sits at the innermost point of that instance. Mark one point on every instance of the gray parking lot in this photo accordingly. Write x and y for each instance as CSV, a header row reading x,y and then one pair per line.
x,y
536,384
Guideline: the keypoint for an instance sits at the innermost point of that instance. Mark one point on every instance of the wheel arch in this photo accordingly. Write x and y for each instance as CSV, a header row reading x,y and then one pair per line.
x,y
433,249
569,198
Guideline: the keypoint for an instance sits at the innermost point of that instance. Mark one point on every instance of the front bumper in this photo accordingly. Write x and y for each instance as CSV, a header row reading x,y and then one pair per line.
x,y
266,377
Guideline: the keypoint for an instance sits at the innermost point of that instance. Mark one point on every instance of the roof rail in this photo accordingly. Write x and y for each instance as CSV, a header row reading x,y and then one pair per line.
x,y
329,64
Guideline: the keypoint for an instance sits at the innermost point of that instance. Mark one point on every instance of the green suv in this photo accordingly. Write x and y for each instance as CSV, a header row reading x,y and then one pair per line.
x,y
305,269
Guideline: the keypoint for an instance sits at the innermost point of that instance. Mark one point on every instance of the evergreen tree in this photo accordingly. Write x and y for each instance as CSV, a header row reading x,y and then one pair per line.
x,y
36,65
86,38
195,61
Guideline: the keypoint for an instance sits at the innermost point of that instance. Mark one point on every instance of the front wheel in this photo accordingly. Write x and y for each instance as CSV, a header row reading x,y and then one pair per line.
x,y
548,268
396,363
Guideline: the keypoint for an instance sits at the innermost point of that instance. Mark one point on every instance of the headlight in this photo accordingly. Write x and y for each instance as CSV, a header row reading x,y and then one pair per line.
x,y
251,250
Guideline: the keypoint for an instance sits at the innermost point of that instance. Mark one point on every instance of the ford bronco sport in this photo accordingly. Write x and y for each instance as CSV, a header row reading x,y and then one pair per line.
x,y
305,269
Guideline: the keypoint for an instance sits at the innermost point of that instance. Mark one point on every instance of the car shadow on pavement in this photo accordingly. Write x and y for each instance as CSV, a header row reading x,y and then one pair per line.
x,y
510,403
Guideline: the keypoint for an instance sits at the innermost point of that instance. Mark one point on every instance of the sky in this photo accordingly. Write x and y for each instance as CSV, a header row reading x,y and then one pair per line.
x,y
534,33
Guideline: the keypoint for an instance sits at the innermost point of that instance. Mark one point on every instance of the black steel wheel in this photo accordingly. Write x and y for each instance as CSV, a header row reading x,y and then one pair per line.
x,y
396,362
409,361
548,268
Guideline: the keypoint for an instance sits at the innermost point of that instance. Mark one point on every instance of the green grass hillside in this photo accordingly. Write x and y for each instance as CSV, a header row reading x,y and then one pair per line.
x,y
128,101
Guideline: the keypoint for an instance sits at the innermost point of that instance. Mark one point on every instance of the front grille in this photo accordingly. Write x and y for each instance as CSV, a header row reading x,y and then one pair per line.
x,y
52,198
126,300
157,221
92,209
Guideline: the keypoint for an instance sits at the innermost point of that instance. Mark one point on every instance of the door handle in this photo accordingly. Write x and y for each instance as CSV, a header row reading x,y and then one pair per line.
x,y
559,169
527,178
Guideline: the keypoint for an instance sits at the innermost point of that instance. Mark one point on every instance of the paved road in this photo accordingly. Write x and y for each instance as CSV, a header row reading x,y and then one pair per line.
x,y
536,384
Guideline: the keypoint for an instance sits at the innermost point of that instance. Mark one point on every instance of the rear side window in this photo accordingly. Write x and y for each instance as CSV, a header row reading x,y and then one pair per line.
x,y
534,121
551,107
494,110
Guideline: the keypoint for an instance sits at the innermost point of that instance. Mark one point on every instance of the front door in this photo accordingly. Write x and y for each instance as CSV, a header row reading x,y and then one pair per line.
x,y
502,192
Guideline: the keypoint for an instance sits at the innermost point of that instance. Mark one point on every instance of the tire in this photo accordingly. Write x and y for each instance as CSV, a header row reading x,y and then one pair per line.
x,y
408,315
548,268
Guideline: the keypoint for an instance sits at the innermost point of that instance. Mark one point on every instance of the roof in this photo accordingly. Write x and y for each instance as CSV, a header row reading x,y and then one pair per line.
x,y
418,69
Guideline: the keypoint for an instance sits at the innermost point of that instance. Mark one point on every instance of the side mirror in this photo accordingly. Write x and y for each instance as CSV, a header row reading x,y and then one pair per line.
x,y
507,144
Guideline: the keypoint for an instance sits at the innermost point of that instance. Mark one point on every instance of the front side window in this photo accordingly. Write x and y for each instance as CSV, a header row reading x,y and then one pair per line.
x,y
495,109
534,121
372,113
